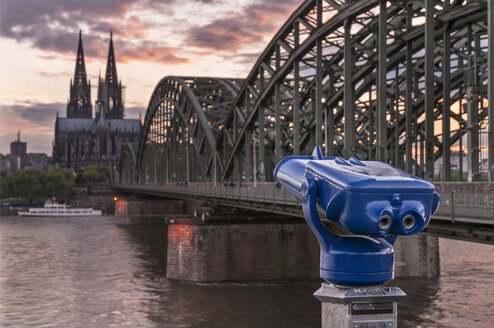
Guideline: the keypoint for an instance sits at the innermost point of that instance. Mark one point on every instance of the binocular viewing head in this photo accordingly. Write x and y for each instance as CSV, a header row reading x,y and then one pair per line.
x,y
367,198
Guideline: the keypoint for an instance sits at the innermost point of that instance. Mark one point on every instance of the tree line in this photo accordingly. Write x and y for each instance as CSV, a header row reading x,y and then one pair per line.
x,y
35,186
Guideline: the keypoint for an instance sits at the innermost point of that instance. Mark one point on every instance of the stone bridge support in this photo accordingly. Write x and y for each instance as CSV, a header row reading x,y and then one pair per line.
x,y
228,251
206,246
417,256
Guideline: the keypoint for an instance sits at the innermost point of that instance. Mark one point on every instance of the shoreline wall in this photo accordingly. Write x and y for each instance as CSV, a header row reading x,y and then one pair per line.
x,y
97,196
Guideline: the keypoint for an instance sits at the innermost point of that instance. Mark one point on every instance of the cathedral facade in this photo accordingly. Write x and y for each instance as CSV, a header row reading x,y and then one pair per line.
x,y
81,138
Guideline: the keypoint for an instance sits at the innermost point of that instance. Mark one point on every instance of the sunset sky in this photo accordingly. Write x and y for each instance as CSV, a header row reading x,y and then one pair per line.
x,y
152,39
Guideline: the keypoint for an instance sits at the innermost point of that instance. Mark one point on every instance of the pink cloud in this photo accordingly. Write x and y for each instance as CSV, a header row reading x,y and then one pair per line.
x,y
249,26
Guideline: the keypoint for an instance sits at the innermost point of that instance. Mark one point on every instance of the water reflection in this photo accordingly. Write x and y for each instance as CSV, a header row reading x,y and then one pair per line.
x,y
181,304
417,309
90,272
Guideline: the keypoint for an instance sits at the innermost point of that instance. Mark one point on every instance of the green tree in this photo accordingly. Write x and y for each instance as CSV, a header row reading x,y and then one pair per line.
x,y
6,185
68,174
36,186
80,178
58,184
30,183
104,169
93,173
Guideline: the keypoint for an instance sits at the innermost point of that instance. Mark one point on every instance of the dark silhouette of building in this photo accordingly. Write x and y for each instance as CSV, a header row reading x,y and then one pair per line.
x,y
19,148
19,158
80,139
110,91
79,103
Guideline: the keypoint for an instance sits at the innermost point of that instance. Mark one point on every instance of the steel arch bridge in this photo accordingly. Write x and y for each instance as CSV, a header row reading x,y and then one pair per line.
x,y
396,81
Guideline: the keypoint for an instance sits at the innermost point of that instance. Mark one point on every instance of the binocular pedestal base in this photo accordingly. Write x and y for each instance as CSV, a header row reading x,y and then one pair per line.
x,y
363,307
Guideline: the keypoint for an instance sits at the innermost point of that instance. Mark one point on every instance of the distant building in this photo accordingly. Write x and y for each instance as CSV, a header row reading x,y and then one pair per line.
x,y
80,139
19,158
19,148
9,164
39,161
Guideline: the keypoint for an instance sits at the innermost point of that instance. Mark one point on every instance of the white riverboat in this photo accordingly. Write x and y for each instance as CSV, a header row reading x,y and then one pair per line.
x,y
53,209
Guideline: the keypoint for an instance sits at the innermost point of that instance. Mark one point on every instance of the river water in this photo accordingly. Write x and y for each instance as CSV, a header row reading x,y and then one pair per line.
x,y
90,272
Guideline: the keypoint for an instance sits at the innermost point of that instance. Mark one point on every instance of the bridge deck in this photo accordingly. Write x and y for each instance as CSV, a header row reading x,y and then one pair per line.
x,y
462,215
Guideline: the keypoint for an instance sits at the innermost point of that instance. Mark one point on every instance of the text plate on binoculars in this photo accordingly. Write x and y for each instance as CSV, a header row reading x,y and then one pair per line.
x,y
374,292
382,324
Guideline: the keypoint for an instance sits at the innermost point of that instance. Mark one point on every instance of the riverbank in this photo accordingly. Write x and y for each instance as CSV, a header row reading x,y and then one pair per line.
x,y
96,195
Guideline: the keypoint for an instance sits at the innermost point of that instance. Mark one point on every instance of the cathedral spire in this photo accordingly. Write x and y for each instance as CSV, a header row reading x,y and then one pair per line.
x,y
110,103
80,78
111,68
79,105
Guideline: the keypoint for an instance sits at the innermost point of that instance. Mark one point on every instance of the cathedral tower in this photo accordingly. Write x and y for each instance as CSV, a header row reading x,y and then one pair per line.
x,y
79,103
110,103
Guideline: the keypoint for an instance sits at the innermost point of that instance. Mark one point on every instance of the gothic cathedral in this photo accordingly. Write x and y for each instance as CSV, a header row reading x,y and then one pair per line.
x,y
80,138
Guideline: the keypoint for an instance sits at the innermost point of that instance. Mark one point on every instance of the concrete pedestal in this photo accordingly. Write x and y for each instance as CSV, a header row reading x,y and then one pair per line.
x,y
364,307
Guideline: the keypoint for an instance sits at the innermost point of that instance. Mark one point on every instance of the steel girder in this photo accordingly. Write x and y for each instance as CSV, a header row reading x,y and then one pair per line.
x,y
127,164
323,66
373,79
183,119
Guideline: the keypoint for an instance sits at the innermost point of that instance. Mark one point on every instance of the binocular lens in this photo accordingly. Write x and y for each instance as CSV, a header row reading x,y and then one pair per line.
x,y
384,222
408,221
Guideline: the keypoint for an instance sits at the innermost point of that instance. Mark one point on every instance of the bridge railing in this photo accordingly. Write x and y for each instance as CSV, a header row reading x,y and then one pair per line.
x,y
476,207
466,205
263,192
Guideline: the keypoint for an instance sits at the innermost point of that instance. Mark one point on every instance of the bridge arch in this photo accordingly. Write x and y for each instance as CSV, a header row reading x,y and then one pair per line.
x,y
182,120
332,53
127,165
394,81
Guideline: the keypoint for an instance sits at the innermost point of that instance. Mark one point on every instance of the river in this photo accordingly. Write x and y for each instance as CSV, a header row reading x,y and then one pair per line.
x,y
90,272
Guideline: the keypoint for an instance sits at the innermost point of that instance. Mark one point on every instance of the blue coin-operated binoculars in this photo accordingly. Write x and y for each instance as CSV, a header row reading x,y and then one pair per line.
x,y
374,201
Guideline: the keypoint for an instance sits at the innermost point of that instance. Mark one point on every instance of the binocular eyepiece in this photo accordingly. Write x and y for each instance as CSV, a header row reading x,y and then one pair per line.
x,y
370,199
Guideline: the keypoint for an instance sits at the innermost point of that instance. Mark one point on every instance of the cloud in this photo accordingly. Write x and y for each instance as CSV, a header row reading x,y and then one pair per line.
x,y
246,27
32,114
53,26
129,26
247,58
19,18
42,20
54,75
35,120
134,111
150,51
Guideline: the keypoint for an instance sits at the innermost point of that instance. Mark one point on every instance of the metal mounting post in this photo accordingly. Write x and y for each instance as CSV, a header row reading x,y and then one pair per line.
x,y
359,307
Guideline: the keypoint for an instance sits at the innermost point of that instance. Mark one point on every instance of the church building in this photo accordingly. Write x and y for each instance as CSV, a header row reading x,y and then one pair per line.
x,y
81,138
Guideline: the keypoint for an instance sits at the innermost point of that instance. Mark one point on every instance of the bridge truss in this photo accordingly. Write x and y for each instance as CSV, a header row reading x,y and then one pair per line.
x,y
404,82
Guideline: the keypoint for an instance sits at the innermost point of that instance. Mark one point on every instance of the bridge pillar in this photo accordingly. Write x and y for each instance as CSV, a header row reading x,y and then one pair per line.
x,y
134,210
417,256
148,207
225,250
